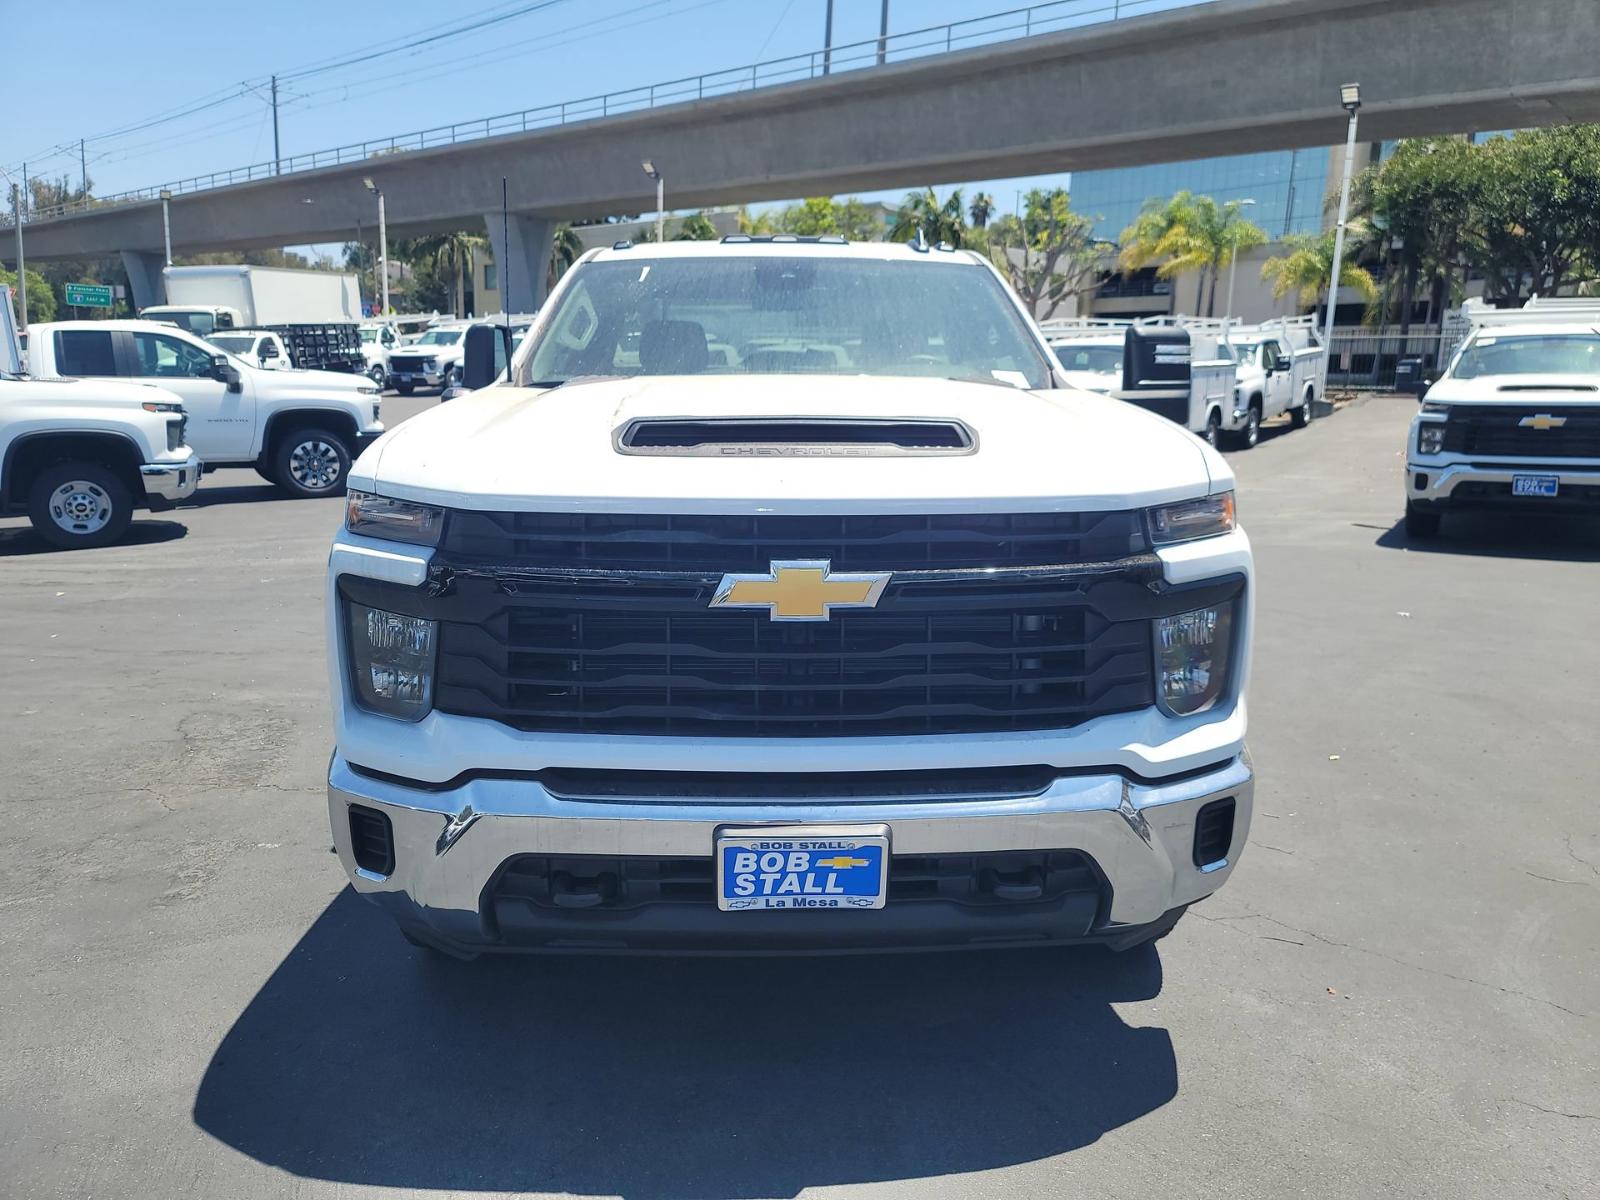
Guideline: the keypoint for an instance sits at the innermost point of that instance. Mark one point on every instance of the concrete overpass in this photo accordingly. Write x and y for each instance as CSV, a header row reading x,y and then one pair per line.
x,y
1226,77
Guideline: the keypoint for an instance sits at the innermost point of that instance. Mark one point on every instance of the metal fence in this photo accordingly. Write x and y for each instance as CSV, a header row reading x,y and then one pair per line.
x,y
1053,17
1366,359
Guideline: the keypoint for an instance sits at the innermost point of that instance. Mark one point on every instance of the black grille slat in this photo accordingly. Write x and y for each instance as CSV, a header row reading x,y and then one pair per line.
x,y
737,543
1496,431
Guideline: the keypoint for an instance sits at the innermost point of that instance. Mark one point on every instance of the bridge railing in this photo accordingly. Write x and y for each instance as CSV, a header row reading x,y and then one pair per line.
x,y
1051,17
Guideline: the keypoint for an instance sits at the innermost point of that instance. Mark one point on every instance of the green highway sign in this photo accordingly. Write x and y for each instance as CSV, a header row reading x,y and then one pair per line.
x,y
88,295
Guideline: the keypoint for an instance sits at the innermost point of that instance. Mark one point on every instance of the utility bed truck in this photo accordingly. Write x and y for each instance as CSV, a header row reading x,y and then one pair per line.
x,y
781,596
316,313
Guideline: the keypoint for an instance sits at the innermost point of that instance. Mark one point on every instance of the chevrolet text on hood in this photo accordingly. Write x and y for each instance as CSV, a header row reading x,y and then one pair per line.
x,y
786,574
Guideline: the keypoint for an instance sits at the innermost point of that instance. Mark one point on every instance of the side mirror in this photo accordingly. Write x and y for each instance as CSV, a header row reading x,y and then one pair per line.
x,y
225,372
483,358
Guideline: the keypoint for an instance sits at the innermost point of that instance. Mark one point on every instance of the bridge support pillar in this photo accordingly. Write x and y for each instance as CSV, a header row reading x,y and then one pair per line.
x,y
144,277
524,265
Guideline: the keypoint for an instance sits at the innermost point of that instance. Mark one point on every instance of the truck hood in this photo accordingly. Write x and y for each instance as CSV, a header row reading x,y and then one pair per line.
x,y
86,393
309,383
1517,389
556,450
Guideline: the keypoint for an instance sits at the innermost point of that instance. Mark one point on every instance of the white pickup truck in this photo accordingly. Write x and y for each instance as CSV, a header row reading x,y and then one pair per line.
x,y
1513,425
77,458
1279,371
433,360
299,429
783,597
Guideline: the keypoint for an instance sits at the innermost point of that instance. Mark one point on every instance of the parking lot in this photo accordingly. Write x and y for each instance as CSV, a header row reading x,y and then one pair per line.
x,y
1396,994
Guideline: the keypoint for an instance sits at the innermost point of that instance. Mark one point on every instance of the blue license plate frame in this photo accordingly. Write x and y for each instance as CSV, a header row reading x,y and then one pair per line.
x,y
1546,487
789,867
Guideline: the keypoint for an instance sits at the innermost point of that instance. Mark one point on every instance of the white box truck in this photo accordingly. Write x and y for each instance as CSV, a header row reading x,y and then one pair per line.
x,y
316,313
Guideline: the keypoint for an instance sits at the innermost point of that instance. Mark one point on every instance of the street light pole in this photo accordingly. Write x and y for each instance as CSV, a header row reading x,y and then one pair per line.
x,y
1233,260
383,246
883,34
827,40
661,198
166,222
1350,97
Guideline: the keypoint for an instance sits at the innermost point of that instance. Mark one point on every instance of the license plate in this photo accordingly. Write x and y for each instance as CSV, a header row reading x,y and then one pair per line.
x,y
1535,485
802,866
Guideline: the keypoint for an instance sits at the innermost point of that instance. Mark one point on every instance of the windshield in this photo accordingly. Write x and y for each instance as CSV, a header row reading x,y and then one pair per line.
x,y
198,322
233,345
368,336
758,315
1097,360
439,337
1530,354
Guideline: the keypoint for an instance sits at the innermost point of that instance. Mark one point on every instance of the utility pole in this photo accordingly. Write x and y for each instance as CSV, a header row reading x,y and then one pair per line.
x,y
827,40
277,155
83,166
883,35
22,267
1350,98
166,222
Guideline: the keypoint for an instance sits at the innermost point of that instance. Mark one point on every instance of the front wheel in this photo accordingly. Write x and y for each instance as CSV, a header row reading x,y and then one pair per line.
x,y
311,462
78,505
377,374
1421,522
1250,435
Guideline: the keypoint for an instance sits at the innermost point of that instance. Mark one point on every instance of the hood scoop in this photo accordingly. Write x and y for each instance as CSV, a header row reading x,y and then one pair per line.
x,y
794,437
1548,387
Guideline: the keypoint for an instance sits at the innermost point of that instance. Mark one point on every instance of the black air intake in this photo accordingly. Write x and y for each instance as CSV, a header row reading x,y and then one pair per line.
x,y
794,438
1213,832
371,840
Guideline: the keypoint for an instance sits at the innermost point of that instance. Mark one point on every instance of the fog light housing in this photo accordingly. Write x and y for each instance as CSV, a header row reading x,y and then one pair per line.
x,y
1430,437
1194,656
391,660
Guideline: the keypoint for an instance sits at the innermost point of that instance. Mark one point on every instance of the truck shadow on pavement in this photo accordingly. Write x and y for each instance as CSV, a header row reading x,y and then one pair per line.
x,y
1505,535
23,540
362,1061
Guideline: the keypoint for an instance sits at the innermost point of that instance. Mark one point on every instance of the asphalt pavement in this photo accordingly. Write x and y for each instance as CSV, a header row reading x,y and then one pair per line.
x,y
1396,995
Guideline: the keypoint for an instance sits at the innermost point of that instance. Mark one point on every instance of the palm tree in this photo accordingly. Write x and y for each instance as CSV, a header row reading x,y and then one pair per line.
x,y
981,209
939,222
565,248
1307,268
1189,233
452,253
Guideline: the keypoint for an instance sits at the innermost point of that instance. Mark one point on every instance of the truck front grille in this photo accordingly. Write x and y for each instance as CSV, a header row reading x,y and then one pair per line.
x,y
1497,431
407,363
592,624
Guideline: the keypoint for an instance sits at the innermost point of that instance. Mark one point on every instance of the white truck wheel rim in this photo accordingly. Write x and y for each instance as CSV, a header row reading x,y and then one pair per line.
x,y
314,465
80,507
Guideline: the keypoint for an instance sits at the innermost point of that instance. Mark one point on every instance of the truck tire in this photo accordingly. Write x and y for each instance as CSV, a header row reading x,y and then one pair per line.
x,y
1213,433
405,389
377,374
1301,417
1421,522
77,505
1248,437
311,462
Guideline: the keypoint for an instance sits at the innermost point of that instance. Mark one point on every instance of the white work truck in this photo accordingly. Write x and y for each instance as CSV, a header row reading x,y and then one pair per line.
x,y
433,360
78,457
782,596
378,340
299,429
1279,371
1513,425
316,313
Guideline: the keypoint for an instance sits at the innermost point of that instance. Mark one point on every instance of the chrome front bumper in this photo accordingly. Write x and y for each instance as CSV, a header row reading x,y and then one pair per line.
x,y
169,481
1443,479
450,844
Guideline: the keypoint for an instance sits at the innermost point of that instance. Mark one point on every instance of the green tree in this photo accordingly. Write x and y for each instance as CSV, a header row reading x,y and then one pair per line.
x,y
1419,203
1049,254
696,227
940,221
451,256
566,247
981,210
1307,267
1189,233
41,298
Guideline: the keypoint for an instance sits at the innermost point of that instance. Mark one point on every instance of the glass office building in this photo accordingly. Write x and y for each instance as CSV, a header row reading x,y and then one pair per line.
x,y
1287,186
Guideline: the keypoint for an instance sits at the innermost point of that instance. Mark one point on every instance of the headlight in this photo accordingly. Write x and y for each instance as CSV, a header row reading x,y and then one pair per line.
x,y
1434,408
368,390
391,660
1430,437
1206,517
160,406
1193,656
397,520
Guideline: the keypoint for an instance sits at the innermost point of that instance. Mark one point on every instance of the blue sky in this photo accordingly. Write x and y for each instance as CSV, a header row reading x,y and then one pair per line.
x,y
122,64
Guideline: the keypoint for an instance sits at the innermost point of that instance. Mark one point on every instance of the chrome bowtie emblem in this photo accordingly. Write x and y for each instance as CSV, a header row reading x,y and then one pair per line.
x,y
805,590
1542,421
